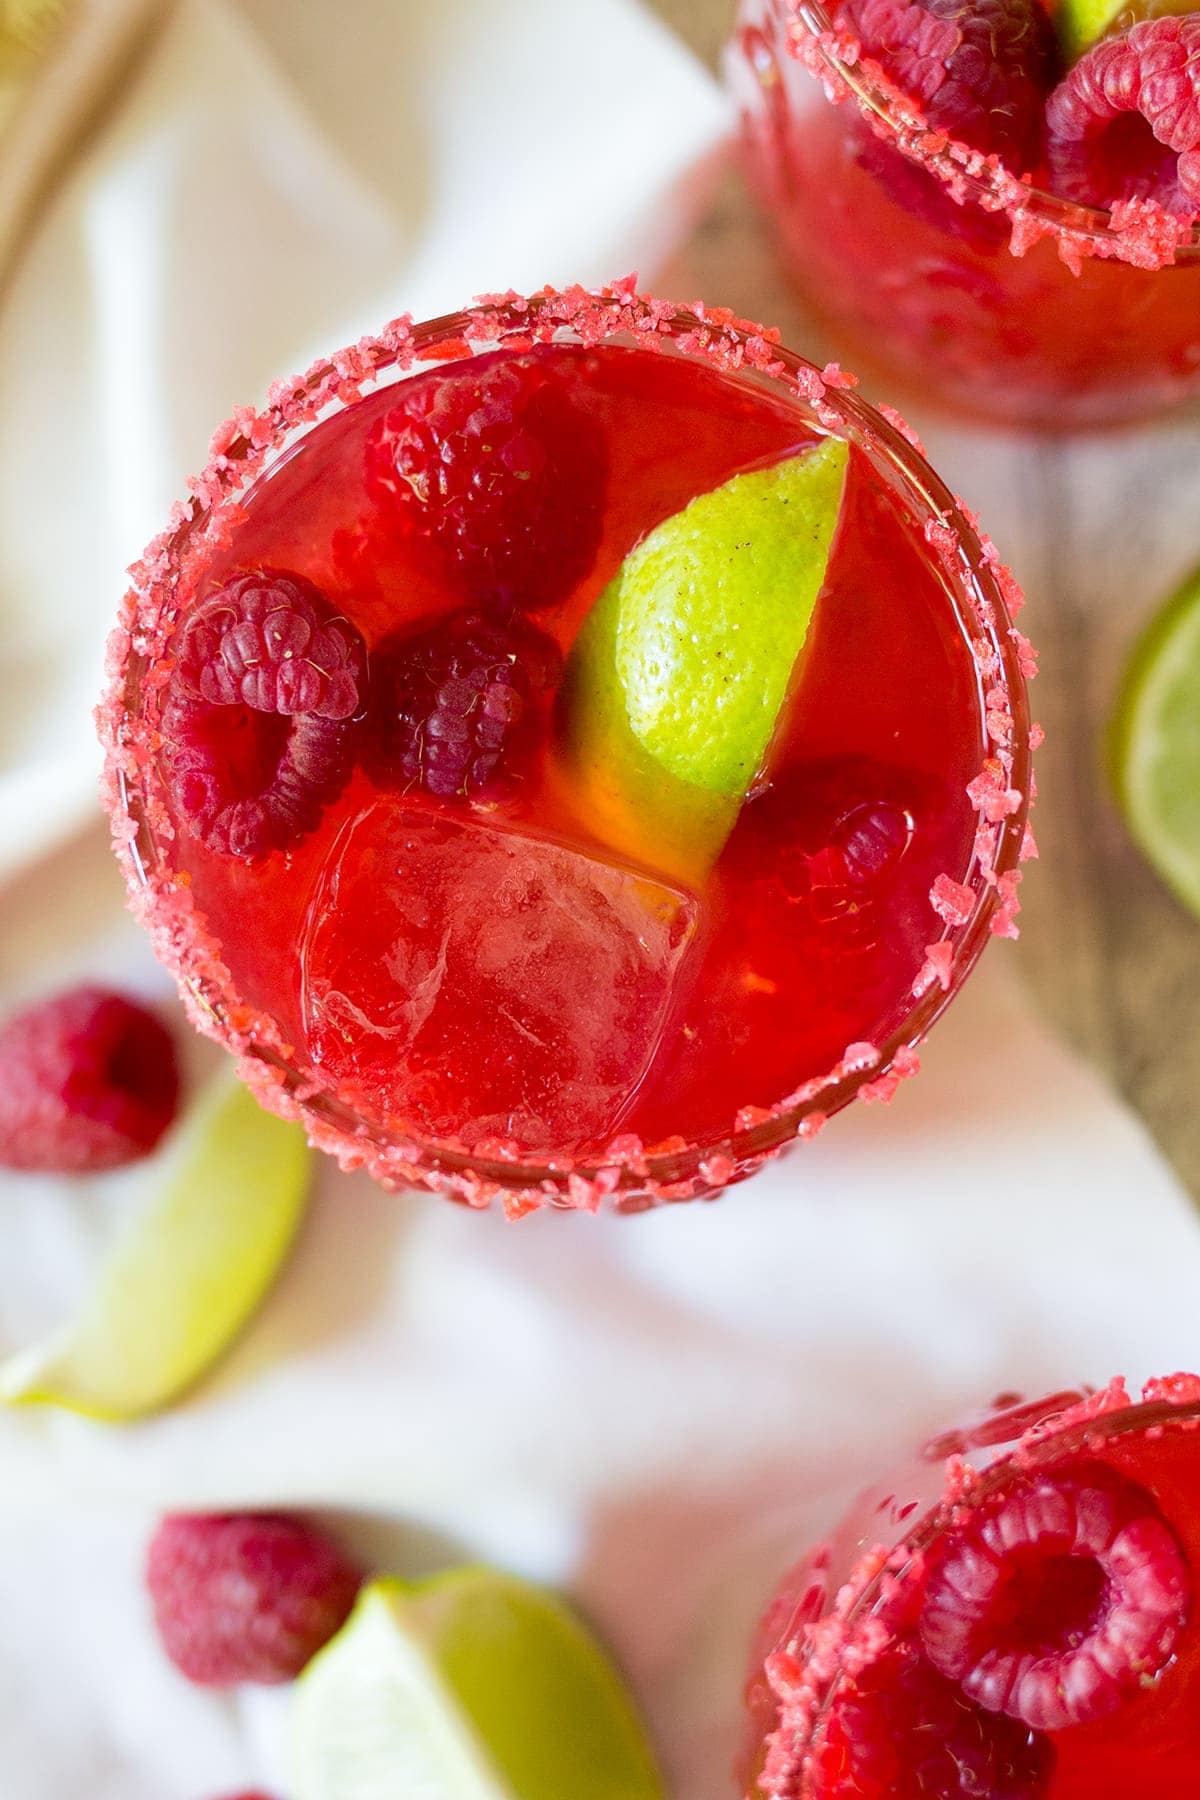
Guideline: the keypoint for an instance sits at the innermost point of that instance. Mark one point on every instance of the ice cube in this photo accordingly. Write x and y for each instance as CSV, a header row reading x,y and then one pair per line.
x,y
475,980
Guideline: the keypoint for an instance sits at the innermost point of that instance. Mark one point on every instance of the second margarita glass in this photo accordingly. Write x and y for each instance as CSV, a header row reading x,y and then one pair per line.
x,y
1012,1617
569,749
938,266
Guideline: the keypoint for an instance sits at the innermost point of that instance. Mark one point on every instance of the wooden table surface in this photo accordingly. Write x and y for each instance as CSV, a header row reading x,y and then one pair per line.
x,y
1098,530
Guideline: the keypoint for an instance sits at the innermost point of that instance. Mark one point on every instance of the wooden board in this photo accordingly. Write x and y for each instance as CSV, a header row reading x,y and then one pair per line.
x,y
1099,530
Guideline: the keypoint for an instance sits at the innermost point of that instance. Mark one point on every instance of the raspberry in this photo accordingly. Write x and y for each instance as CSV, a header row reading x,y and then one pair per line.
x,y
1055,1601
898,1730
979,69
863,849
502,470
871,839
246,1597
259,722
88,1081
455,708
1125,123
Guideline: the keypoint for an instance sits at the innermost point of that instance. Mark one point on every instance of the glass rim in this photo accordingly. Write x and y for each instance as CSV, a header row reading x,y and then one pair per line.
x,y
625,1171
1089,230
1072,1423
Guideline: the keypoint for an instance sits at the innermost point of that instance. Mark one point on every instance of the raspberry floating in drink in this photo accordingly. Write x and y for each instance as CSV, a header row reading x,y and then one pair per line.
x,y
455,709
1018,1623
256,723
997,199
569,750
980,68
1125,123
500,468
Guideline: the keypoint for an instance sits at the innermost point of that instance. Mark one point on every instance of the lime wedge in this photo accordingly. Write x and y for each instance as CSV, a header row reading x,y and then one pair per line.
x,y
188,1273
471,1686
677,679
1082,23
1156,744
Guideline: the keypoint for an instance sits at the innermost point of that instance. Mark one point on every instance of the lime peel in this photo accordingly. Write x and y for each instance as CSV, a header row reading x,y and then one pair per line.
x,y
682,668
188,1272
1082,23
470,1686
1155,744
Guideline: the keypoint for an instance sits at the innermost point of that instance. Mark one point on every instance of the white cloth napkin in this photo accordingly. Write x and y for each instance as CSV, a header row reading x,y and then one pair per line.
x,y
280,179
655,1412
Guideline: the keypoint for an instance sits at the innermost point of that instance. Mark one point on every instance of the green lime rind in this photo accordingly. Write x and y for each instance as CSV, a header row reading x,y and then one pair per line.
x,y
710,611
188,1273
678,677
1154,744
470,1686
1082,23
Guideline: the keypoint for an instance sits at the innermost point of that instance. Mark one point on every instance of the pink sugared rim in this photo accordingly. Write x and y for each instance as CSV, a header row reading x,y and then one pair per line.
x,y
804,1672
630,1174
1136,232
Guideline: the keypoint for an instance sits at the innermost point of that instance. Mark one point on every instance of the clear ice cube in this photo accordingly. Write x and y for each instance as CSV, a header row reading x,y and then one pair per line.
x,y
476,981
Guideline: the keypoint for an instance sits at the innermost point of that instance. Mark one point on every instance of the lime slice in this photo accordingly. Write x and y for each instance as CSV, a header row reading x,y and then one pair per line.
x,y
189,1272
677,679
1156,744
471,1686
1082,23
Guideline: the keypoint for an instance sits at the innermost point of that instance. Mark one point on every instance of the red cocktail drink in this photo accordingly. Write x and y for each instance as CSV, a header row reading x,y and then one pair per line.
x,y
1015,1618
942,267
495,793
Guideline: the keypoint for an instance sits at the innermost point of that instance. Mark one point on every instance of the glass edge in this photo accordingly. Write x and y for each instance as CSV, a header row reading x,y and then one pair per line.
x,y
746,1149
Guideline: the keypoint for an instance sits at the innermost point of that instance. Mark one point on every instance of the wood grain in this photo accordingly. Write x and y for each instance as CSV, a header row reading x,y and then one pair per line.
x,y
1098,530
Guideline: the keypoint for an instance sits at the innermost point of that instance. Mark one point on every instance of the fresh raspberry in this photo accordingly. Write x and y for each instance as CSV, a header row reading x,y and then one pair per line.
x,y
979,69
88,1081
246,1597
259,721
1125,123
897,1730
1053,1602
455,708
500,467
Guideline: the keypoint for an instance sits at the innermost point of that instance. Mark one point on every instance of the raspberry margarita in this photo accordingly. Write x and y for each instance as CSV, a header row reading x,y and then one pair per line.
x,y
1020,240
1015,1620
568,749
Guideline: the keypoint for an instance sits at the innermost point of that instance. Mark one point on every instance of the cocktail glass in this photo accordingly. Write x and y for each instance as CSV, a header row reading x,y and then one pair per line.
x,y
1078,1519
944,270
934,664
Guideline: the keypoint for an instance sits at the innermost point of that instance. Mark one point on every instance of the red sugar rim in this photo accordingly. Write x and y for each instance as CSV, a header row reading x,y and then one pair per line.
x,y
631,1173
804,1675
1138,232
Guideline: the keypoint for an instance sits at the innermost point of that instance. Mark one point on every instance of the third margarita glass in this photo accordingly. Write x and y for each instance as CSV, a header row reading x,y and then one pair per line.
x,y
569,749
1013,1618
940,266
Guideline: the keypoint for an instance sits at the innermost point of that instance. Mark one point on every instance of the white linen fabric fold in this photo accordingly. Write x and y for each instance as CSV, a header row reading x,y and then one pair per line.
x,y
655,1412
278,180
